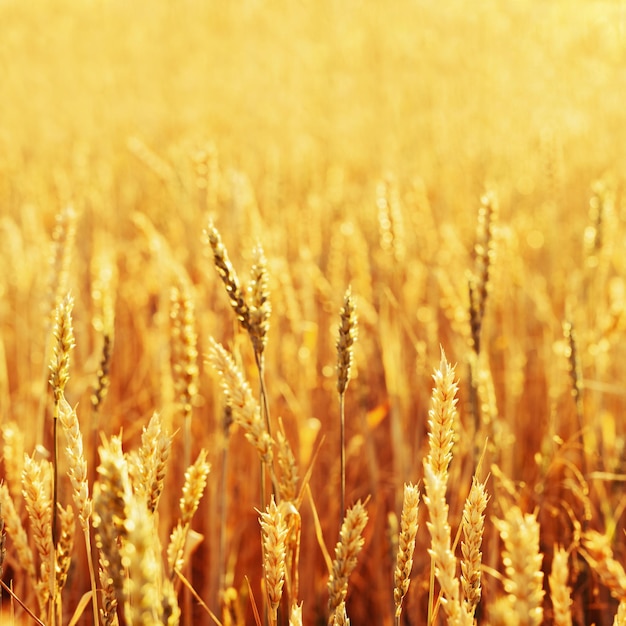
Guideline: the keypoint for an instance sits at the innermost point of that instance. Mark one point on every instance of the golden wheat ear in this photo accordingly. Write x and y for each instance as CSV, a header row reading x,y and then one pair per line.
x,y
350,543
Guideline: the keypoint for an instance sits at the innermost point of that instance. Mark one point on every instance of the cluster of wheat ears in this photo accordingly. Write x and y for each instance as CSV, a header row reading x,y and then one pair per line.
x,y
139,576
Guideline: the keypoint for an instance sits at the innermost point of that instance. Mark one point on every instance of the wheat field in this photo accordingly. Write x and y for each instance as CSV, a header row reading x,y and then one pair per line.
x,y
312,312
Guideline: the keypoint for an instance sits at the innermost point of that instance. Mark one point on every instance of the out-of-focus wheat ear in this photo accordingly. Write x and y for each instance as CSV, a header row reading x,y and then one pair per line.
x,y
598,552
103,378
112,492
350,543
229,277
65,545
560,592
620,616
442,418
273,535
103,290
473,524
340,618
483,258
575,370
37,493
108,610
184,351
345,354
288,482
13,458
169,604
406,546
3,537
148,470
19,538
522,560
63,237
143,599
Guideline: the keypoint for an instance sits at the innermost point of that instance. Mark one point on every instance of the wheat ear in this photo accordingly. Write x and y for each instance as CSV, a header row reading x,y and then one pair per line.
x,y
274,533
473,525
597,550
350,543
560,592
406,546
340,618
620,616
184,356
13,457
522,559
193,489
77,473
345,353
37,492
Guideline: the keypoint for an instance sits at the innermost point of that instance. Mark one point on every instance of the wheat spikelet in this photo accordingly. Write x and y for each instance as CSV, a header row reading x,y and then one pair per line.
x,y
63,237
340,618
600,555
560,593
246,410
522,560
348,547
229,277
406,545
473,527
18,535
295,617
274,535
